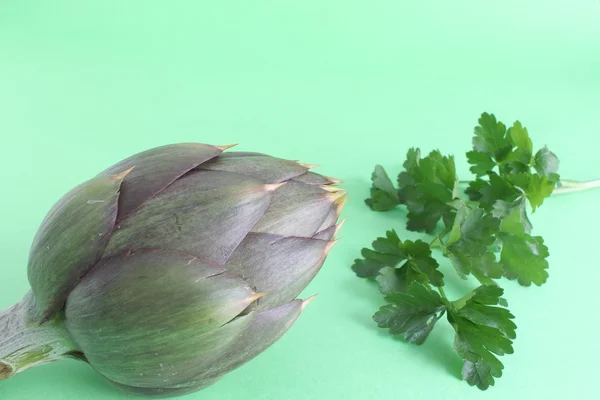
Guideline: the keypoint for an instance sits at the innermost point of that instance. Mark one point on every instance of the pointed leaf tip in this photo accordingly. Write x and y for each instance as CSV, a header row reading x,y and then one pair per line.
x,y
337,196
121,175
257,295
309,166
340,207
227,146
330,245
334,180
273,186
339,226
307,301
339,199
331,188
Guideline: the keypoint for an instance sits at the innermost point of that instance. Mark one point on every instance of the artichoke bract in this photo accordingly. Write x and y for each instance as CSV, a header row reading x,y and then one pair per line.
x,y
173,267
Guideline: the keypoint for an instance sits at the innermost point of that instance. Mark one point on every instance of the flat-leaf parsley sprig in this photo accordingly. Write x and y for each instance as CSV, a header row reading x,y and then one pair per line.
x,y
483,230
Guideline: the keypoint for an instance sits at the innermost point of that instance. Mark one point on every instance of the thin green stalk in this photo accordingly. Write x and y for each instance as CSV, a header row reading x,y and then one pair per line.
x,y
437,242
568,186
442,292
460,303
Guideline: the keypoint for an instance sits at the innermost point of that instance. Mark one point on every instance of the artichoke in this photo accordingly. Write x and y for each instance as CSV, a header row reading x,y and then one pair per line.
x,y
173,267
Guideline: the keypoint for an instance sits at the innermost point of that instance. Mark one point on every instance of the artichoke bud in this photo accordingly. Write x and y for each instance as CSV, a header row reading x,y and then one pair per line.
x,y
173,267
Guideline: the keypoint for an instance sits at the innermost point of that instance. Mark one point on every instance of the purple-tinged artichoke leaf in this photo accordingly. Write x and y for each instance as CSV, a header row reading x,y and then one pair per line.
x,y
280,266
266,328
155,318
262,331
241,154
71,239
174,365
205,213
298,210
260,166
155,169
325,234
330,232
312,178
330,220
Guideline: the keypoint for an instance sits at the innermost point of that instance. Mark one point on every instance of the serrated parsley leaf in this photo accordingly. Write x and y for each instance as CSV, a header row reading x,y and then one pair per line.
x,y
539,188
487,192
482,332
426,187
384,195
502,196
535,187
469,245
546,164
473,231
420,260
523,257
520,157
417,263
393,280
503,209
412,314
524,147
469,242
512,152
490,137
386,252
481,163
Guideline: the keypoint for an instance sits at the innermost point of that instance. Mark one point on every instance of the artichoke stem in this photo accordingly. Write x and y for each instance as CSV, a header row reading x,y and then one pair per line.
x,y
25,344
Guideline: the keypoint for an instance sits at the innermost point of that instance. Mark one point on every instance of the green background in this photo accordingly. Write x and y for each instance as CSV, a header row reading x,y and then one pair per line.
x,y
347,84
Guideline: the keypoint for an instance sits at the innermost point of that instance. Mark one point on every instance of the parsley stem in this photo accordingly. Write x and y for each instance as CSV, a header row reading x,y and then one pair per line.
x,y
437,240
460,303
442,292
568,186
449,305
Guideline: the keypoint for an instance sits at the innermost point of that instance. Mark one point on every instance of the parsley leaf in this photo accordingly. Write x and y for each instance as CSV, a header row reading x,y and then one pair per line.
x,y
487,192
524,147
481,163
469,242
512,152
546,164
412,314
426,187
502,209
538,189
389,252
534,187
392,280
503,195
482,332
384,195
490,138
494,146
386,253
523,257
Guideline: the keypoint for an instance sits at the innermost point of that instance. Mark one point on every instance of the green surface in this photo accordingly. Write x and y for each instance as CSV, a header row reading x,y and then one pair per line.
x,y
84,84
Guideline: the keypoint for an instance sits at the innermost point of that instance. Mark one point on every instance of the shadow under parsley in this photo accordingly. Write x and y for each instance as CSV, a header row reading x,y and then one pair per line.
x,y
437,349
364,293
